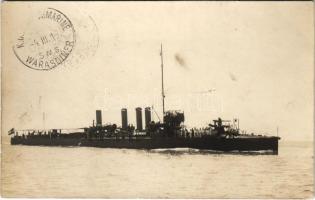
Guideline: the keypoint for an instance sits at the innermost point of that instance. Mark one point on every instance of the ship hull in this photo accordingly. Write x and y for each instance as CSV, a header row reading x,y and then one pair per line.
x,y
219,144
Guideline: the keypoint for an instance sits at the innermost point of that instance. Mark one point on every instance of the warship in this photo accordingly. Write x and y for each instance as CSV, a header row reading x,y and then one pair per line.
x,y
170,132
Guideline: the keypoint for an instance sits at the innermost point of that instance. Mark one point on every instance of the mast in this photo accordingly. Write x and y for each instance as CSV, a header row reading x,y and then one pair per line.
x,y
44,116
163,94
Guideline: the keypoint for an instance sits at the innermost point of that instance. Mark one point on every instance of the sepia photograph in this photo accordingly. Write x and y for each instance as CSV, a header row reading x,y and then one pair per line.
x,y
181,99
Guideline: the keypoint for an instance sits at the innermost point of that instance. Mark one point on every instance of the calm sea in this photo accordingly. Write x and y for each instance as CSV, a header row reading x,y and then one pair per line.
x,y
183,173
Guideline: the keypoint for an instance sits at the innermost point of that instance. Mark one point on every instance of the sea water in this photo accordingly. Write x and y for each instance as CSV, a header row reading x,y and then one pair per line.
x,y
37,171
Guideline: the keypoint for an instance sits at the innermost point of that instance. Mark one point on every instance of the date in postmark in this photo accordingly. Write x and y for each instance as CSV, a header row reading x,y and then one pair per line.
x,y
47,42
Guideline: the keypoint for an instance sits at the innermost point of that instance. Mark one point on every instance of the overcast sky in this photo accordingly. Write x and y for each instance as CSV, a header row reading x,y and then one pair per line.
x,y
255,57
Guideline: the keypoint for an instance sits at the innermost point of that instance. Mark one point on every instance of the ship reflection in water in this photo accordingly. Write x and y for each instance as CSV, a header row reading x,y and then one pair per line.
x,y
187,151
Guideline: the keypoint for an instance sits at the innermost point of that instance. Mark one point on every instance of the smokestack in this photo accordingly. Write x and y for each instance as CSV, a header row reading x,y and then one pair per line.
x,y
124,118
147,115
139,118
98,118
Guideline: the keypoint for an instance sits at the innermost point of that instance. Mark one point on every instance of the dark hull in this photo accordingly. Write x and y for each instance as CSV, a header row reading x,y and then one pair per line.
x,y
219,144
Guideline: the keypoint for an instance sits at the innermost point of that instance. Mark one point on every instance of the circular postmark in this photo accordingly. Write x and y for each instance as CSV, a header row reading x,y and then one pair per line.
x,y
47,42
